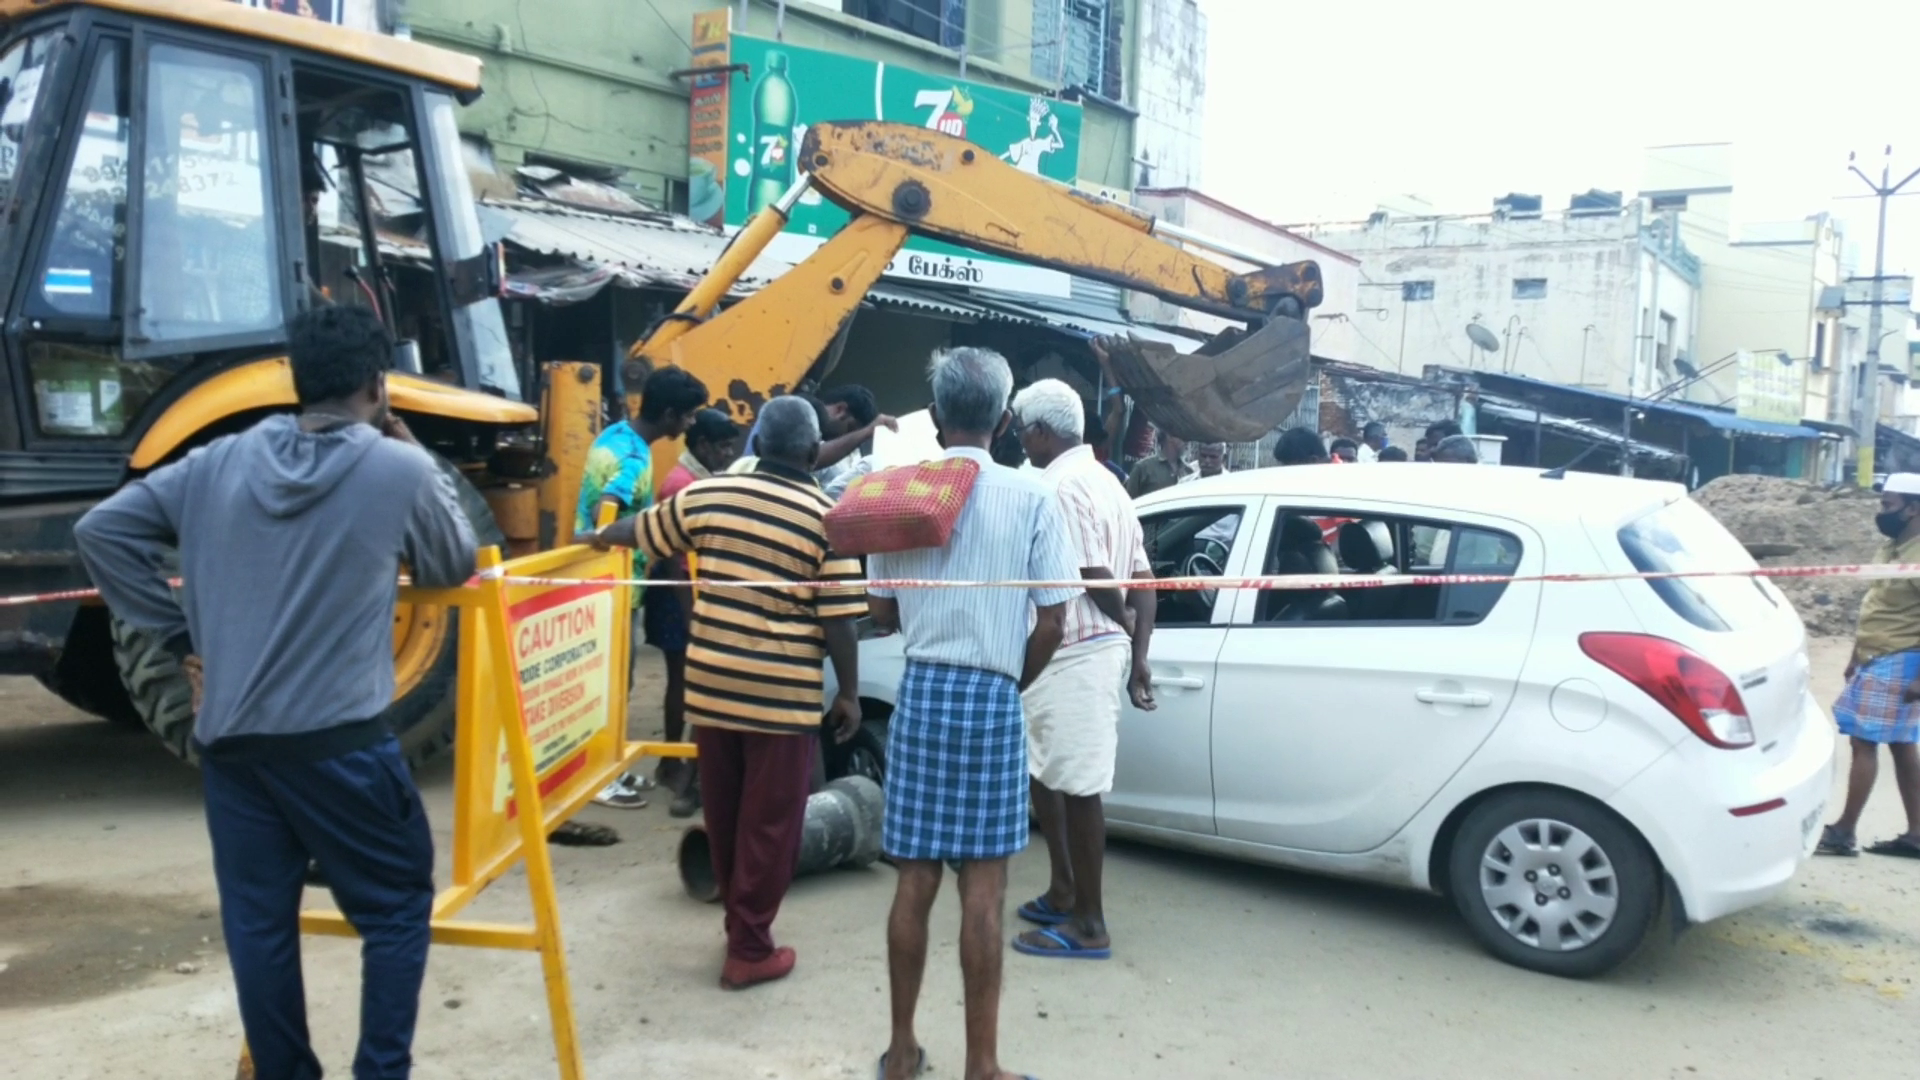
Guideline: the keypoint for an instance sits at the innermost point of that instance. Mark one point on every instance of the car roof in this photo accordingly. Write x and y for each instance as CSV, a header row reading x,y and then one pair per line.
x,y
1522,494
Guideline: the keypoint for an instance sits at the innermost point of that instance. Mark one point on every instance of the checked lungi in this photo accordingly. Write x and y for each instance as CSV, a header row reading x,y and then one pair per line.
x,y
956,766
1870,707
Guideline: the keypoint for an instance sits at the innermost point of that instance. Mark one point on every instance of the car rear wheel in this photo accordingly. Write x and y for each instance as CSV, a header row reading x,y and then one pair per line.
x,y
1554,882
426,658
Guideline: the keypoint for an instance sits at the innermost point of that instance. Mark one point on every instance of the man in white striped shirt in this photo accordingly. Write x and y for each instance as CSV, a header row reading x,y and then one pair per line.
x,y
1073,708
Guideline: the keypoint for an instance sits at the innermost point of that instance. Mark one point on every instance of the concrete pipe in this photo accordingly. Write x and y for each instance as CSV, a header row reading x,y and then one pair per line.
x,y
842,829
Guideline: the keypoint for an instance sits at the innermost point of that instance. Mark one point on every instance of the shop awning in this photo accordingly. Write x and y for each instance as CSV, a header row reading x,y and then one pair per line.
x,y
655,251
1721,419
940,302
1087,319
1513,412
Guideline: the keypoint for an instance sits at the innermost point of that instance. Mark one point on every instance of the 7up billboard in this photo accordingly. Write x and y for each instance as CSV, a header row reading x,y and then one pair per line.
x,y
793,87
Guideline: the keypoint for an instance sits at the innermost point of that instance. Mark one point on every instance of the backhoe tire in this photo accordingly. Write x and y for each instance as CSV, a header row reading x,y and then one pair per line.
x,y
422,713
85,676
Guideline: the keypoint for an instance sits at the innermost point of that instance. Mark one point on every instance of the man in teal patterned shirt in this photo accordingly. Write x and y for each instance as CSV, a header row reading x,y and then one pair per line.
x,y
620,474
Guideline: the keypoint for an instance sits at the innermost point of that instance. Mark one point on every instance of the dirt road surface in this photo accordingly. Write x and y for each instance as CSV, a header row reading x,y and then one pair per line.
x,y
111,963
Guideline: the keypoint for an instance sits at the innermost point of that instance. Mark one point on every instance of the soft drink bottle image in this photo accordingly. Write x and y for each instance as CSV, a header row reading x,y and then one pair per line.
x,y
773,117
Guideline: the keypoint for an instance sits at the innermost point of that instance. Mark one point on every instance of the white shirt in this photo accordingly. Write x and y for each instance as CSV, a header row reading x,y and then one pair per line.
x,y
1104,530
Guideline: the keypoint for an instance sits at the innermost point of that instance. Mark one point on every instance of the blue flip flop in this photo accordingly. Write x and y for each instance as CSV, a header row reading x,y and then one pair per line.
x,y
1069,949
1041,913
919,1064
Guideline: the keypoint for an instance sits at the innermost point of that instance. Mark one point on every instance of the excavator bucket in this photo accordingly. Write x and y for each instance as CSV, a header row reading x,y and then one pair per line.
x,y
1235,388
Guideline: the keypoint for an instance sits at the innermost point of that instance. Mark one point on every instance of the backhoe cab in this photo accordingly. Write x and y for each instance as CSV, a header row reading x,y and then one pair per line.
x,y
179,177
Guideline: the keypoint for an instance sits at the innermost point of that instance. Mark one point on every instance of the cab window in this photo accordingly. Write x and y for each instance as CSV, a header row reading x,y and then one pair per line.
x,y
21,67
81,274
210,261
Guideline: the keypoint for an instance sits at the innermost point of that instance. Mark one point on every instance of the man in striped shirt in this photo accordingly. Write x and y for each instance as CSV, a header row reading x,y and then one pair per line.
x,y
1073,708
753,682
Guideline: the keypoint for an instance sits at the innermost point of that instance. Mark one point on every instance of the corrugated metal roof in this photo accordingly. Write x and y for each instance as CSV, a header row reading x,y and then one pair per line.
x,y
942,301
1515,412
1088,319
663,250
1716,418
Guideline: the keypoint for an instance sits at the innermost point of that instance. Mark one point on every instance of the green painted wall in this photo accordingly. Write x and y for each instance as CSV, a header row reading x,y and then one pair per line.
x,y
565,80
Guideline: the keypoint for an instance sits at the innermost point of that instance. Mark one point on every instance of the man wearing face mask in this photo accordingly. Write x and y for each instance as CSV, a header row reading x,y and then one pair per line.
x,y
1881,704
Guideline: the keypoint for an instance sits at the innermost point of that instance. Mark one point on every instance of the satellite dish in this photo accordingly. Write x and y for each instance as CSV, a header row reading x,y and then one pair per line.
x,y
1685,367
1482,337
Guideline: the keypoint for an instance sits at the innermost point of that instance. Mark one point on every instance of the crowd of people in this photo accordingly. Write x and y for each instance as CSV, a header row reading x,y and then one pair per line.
x,y
1011,698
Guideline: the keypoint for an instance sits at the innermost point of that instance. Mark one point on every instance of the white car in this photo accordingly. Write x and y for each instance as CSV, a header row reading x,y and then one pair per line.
x,y
1561,759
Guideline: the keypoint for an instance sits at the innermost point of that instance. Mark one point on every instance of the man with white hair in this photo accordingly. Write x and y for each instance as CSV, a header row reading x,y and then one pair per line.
x,y
957,750
1073,708
753,683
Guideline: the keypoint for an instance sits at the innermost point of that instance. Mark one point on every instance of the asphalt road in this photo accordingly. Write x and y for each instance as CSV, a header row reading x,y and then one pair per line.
x,y
111,964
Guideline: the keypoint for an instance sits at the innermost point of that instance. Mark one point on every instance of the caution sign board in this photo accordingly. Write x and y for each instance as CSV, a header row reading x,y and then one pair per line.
x,y
562,646
565,662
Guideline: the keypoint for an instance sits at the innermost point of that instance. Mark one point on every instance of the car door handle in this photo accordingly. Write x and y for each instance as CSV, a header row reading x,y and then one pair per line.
x,y
1188,682
1472,699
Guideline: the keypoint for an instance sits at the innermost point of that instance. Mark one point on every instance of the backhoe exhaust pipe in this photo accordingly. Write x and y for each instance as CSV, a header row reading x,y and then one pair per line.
x,y
842,830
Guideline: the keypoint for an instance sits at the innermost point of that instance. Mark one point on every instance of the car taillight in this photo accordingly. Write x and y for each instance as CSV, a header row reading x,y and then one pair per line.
x,y
1688,686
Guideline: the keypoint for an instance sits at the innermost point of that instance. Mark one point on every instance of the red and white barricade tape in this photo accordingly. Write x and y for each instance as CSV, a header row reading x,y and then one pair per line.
x,y
1850,571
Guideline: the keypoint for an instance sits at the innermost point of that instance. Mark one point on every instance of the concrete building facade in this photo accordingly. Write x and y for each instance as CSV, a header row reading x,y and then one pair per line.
x,y
593,88
1599,295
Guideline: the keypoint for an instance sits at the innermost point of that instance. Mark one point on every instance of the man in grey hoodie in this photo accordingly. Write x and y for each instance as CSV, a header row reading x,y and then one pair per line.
x,y
291,537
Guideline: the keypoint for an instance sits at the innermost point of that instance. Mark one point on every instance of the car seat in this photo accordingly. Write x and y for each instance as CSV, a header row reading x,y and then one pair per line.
x,y
1299,549
1366,547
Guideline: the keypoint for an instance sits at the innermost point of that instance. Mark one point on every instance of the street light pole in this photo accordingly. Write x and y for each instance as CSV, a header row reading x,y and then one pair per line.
x,y
1869,425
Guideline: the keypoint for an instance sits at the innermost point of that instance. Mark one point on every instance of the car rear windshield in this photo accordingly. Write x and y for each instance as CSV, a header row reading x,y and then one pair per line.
x,y
1681,537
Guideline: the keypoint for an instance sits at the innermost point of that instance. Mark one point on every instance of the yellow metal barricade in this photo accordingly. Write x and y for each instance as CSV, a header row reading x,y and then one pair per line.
x,y
542,727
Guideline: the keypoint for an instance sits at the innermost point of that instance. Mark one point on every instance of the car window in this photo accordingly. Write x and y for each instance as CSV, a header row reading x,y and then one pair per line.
x,y
1330,542
1681,536
1190,543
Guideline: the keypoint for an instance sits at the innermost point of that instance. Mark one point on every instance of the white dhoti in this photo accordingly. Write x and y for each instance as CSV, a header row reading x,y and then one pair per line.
x,y
1073,716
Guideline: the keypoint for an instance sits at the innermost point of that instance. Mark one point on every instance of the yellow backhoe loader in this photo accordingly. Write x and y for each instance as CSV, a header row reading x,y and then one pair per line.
x,y
177,177
898,179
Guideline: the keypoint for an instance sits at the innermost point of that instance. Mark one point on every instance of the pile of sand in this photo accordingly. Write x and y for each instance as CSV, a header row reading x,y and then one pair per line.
x,y
1790,523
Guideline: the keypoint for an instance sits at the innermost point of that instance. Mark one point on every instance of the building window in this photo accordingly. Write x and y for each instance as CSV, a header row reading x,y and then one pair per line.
x,y
1530,288
1663,347
943,22
1078,43
1819,346
1416,290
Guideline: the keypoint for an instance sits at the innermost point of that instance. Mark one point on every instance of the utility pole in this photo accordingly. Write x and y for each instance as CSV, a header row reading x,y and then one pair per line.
x,y
1869,425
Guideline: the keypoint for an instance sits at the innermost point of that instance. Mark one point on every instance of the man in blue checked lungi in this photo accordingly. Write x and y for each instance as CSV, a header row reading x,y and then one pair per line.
x,y
1881,704
957,750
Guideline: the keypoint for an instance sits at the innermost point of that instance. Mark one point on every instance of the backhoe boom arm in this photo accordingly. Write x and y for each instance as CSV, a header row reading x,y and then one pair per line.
x,y
896,179
948,188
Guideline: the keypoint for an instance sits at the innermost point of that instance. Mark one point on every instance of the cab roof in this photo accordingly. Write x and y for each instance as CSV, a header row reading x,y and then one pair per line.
x,y
454,71
1520,494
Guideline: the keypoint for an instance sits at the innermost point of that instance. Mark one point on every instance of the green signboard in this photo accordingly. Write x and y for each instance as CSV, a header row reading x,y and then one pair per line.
x,y
792,87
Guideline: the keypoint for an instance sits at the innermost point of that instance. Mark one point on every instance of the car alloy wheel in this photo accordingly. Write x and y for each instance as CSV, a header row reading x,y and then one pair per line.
x,y
1548,884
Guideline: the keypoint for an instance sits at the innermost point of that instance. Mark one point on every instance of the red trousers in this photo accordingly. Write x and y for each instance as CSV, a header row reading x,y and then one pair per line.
x,y
753,788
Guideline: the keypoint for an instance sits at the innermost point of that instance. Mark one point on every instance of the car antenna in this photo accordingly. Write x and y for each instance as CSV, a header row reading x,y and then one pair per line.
x,y
1560,472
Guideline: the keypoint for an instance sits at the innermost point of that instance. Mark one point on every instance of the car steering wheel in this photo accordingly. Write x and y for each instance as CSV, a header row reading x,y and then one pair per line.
x,y
1204,564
